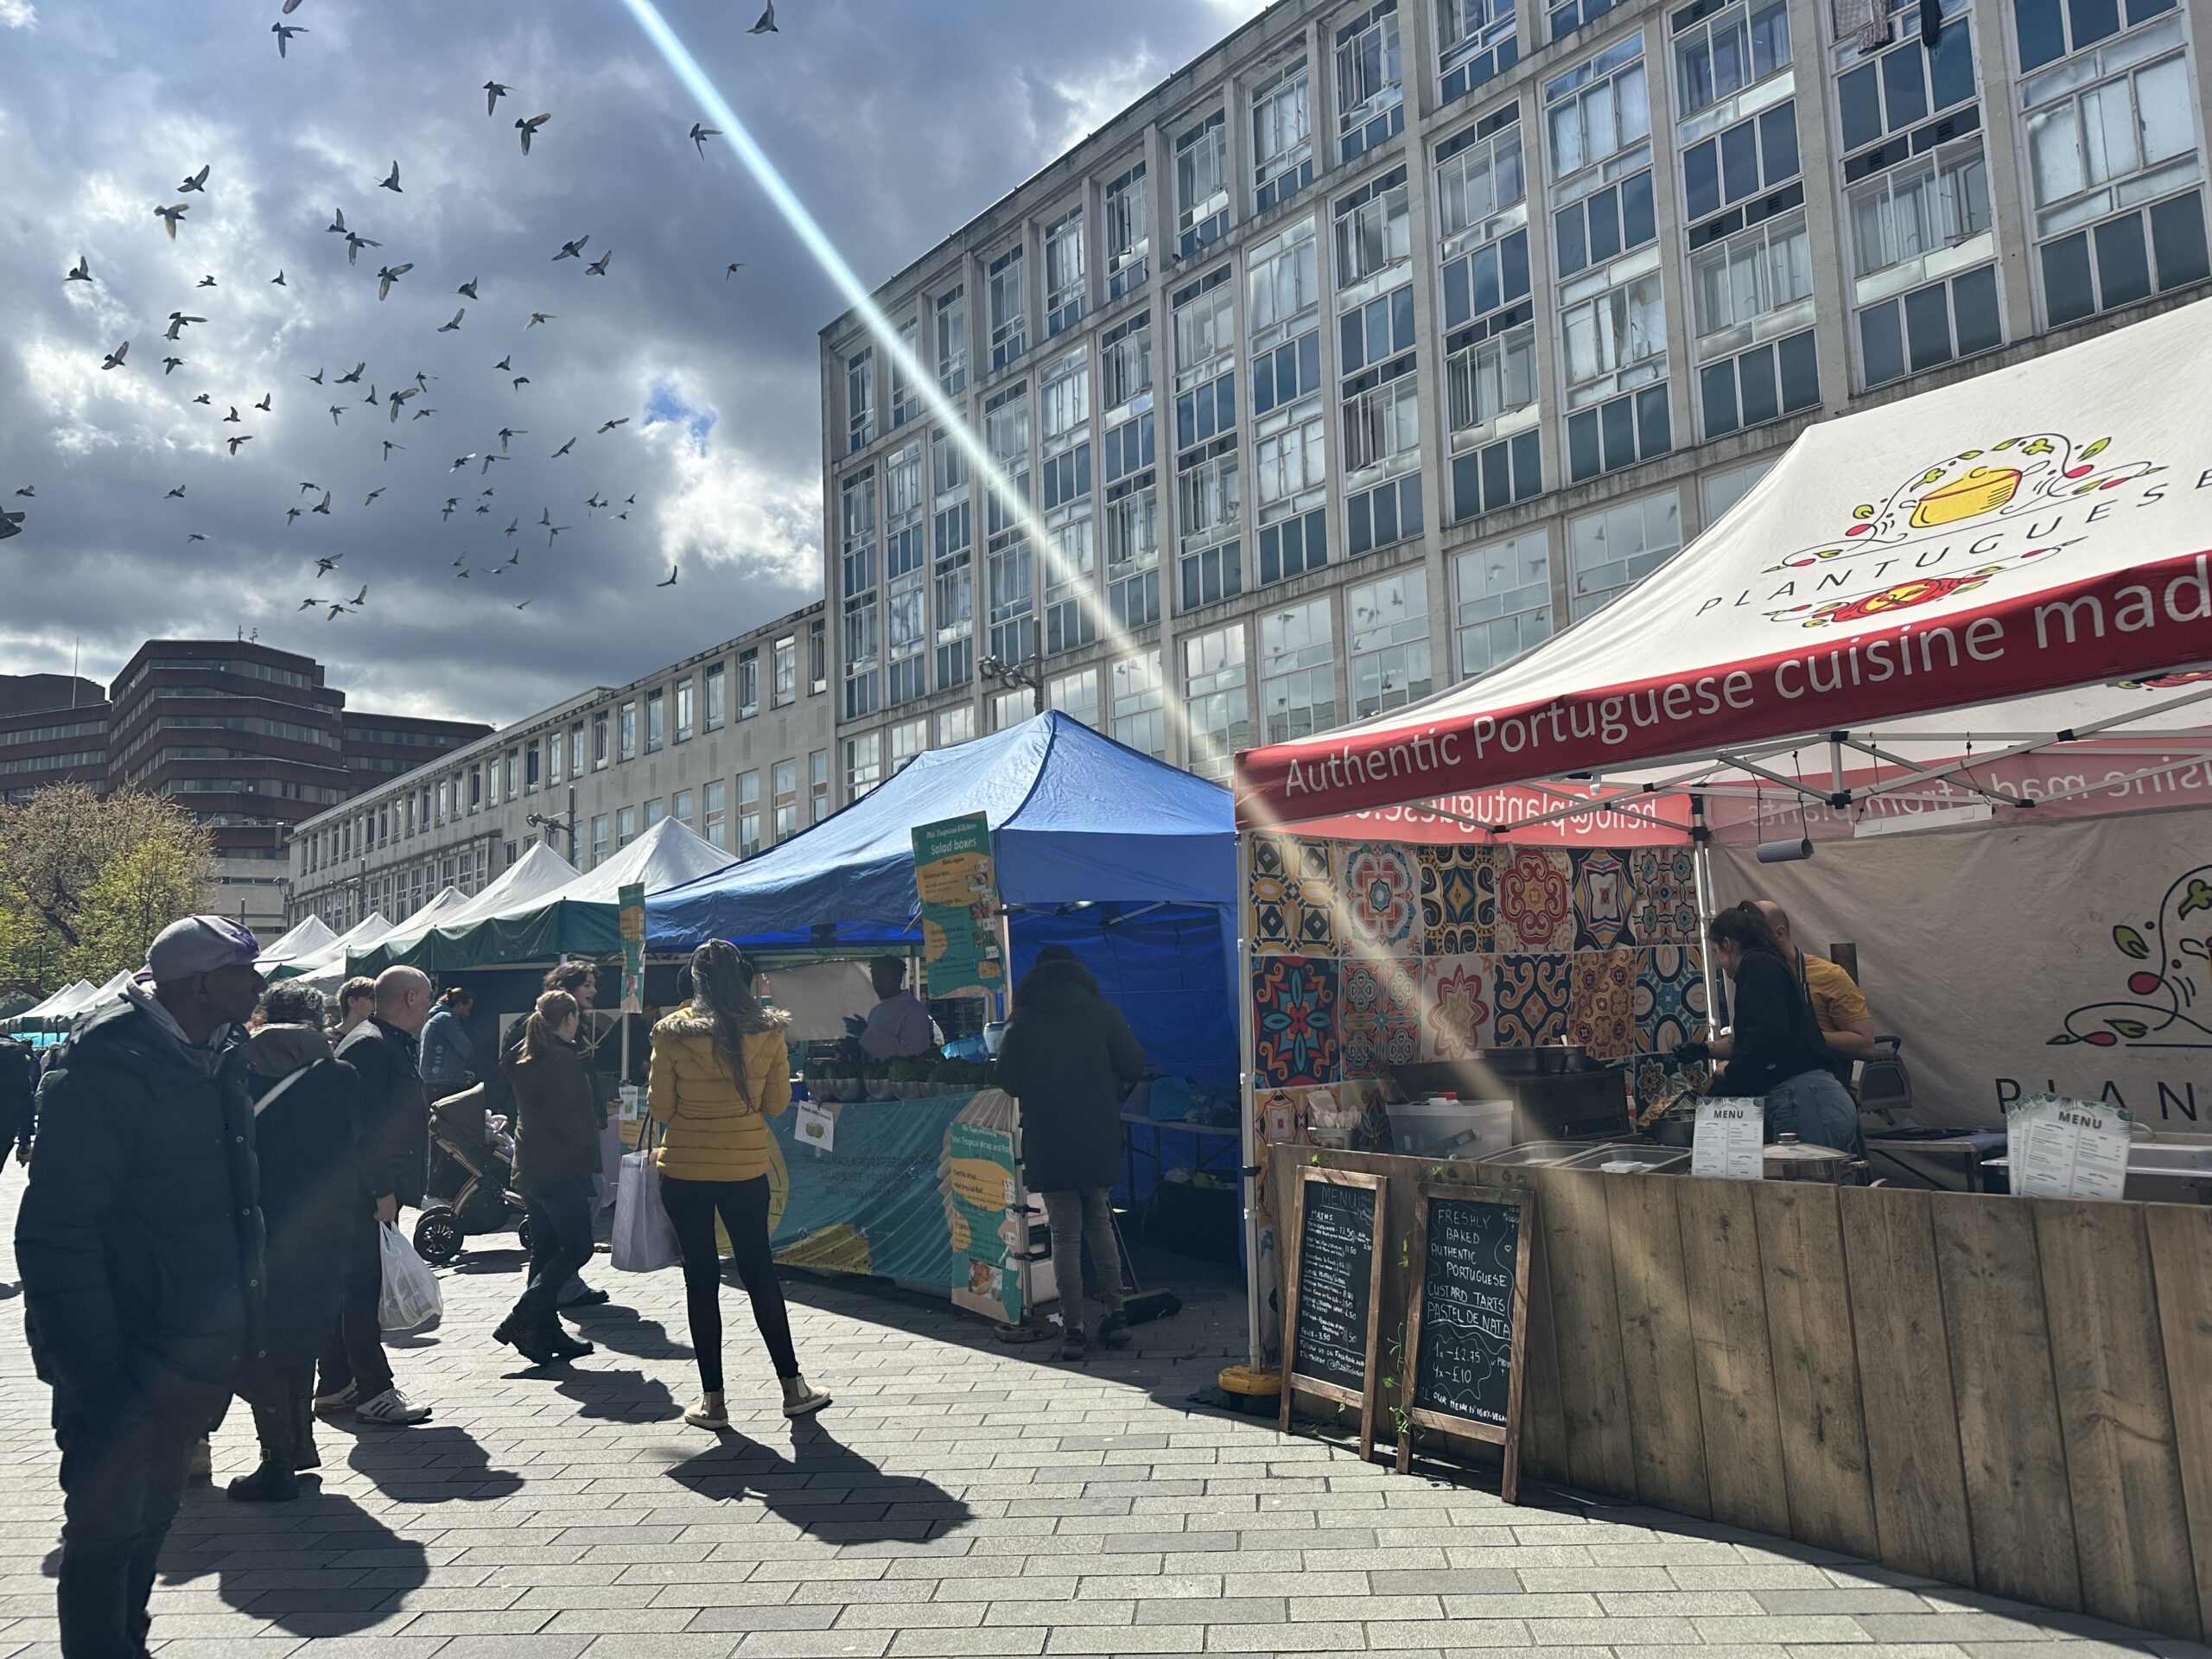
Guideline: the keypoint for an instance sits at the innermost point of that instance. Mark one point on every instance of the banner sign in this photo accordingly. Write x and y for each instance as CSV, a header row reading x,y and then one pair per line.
x,y
987,1227
956,881
630,903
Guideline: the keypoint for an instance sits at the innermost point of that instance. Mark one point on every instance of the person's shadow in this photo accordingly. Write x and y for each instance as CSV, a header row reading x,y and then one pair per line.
x,y
437,1464
825,1488
627,1332
365,1564
618,1396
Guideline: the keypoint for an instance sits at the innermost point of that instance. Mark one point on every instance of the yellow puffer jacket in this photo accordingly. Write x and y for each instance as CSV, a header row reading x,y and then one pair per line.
x,y
715,1133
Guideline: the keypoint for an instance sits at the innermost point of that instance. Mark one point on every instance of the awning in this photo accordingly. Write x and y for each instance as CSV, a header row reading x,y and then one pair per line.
x,y
332,958
2038,527
59,1005
427,939
303,939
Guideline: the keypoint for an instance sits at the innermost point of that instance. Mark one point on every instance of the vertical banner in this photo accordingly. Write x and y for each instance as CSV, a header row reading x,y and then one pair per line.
x,y
956,881
630,901
986,1221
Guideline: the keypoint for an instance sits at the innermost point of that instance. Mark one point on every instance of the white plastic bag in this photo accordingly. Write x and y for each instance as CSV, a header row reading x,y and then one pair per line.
x,y
645,1238
411,1298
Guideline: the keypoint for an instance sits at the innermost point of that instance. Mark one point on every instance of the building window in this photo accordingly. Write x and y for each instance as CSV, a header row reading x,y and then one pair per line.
x,y
1009,313
716,827
1128,231
952,340
1611,550
1912,227
864,765
1503,593
1215,693
782,686
1370,91
1140,704
1722,490
1752,300
1201,185
1210,516
1291,468
656,721
1475,43
1063,406
626,827
782,788
862,686
530,777
490,798
748,814
1298,672
1133,559
748,683
2049,30
626,733
1599,118
556,752
652,812
908,738
1616,365
1490,401
1009,560
598,844
680,806
1387,622
717,709
1374,231
955,726
859,605
817,775
953,578
905,404
1076,695
1376,332
817,656
1756,157
598,741
1125,367
1282,138
1063,273
1482,219
1718,56
684,709
1008,710
860,400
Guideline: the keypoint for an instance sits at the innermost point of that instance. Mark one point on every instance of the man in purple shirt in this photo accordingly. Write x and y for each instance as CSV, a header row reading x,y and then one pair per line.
x,y
899,1026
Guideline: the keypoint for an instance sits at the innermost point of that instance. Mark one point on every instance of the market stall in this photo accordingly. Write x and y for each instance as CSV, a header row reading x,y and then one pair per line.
x,y
324,969
437,937
302,939
1971,613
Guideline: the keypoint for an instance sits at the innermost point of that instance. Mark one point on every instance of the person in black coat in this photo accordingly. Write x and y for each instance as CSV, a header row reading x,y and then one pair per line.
x,y
139,1241
1069,1058
1774,1050
18,1098
304,1140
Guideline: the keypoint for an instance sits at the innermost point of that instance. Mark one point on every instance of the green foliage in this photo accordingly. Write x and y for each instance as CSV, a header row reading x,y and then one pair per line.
x,y
87,883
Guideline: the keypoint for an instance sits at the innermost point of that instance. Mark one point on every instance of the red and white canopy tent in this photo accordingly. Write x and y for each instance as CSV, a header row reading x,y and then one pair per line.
x,y
1991,600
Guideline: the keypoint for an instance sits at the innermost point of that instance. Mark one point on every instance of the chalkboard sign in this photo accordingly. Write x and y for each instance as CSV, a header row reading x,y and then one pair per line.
x,y
1336,1271
1465,1339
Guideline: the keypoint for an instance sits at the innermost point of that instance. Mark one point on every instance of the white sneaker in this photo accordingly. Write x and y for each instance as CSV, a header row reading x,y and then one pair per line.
x,y
390,1406
332,1405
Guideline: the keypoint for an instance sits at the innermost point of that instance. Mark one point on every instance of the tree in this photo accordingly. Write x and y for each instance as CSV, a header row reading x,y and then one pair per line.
x,y
86,883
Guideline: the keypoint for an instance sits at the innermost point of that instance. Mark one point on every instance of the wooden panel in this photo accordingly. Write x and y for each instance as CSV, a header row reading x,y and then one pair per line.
x,y
1816,1366
2014,1456
1593,1393
2131,1531
1665,1436
1543,1425
1904,1368
1735,1375
2181,1262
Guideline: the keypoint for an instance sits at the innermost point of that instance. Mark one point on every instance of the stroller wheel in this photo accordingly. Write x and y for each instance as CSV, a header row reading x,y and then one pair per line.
x,y
438,1237
522,1232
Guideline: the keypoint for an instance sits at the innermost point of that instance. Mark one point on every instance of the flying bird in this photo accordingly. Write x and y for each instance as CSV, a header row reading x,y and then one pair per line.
x,y
115,358
512,525
598,267
80,272
361,598
170,366
461,575
194,536
246,437
387,275
467,289
172,216
290,6
521,380
523,606
551,530
594,502
486,467
291,513
371,399
460,559
529,129
620,420
391,182
766,25
208,282
315,378
546,516
420,413
309,604
355,243
571,250
323,506
563,449
732,269
196,181
324,566
507,432
422,381
233,417
178,322
515,557
460,461
391,404
336,410
283,33
389,446
205,397
630,500
671,583
506,365
493,92
482,508
266,398
352,378
337,221
372,495
536,317
446,510
176,494
699,135
336,611
11,523
28,491
309,489
277,281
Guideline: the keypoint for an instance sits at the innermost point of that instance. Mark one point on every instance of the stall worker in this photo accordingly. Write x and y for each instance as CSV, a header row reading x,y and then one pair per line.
x,y
1839,1005
899,1026
1774,1051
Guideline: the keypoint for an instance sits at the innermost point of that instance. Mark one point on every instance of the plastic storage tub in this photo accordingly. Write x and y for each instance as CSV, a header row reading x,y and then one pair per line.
x,y
1452,1129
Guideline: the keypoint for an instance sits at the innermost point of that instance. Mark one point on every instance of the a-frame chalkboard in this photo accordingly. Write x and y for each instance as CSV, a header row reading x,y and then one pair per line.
x,y
1335,1276
1466,1323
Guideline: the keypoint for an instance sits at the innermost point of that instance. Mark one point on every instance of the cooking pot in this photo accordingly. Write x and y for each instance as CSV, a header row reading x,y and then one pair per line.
x,y
1789,1159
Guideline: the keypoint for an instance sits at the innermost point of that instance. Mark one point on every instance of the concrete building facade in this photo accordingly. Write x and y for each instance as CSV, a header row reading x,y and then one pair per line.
x,y
734,740
1391,336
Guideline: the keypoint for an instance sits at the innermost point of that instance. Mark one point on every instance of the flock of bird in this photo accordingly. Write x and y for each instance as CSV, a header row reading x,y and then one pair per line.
x,y
414,387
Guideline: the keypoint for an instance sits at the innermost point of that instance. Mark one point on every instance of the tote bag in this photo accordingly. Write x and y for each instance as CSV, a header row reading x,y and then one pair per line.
x,y
645,1238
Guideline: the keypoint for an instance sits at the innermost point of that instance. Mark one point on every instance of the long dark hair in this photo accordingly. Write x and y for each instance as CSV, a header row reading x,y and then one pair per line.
x,y
1746,927
722,989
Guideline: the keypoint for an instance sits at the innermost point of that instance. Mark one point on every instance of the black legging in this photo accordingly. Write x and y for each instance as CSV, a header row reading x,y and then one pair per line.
x,y
743,1206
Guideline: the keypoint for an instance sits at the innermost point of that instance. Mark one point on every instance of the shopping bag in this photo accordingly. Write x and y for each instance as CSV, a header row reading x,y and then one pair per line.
x,y
645,1238
411,1298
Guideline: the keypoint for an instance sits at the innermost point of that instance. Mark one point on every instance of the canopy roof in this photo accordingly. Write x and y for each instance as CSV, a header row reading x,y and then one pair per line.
x,y
580,917
427,939
1076,817
59,1005
303,939
2043,527
332,958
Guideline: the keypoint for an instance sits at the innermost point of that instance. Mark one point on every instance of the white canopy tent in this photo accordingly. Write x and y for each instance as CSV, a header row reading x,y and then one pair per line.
x,y
59,1005
417,942
303,939
326,969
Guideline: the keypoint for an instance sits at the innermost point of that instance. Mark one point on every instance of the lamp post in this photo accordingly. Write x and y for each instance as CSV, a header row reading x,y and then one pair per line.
x,y
1012,675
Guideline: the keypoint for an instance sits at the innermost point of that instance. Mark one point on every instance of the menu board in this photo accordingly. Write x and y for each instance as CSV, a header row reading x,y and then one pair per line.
x,y
1465,1326
1335,1275
2061,1148
956,880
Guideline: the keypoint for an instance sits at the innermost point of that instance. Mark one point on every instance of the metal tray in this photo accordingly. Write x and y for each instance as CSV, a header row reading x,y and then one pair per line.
x,y
1539,1155
1650,1159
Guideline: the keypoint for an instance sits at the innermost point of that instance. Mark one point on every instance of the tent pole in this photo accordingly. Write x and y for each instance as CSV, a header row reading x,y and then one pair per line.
x,y
1253,1147
1701,867
1028,1319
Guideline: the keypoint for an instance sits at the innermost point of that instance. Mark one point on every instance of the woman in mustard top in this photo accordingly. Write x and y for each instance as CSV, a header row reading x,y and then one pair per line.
x,y
720,1068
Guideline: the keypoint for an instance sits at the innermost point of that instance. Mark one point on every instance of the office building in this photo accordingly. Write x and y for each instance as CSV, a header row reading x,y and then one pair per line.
x,y
1391,336
53,730
733,740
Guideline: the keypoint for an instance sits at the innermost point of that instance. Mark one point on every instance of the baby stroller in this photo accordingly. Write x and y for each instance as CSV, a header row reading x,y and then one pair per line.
x,y
468,1191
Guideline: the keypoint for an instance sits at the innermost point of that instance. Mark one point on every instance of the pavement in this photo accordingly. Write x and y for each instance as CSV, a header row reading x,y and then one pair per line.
x,y
961,1498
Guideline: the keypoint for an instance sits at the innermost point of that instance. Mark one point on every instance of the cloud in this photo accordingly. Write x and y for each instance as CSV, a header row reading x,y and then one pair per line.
x,y
18,14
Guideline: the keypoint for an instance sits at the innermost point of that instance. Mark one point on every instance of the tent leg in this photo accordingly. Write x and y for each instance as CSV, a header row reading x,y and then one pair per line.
x,y
1248,1141
1702,866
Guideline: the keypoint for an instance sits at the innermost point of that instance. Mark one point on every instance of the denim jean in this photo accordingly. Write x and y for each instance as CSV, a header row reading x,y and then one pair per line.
x,y
1817,1109
1080,1217
122,1476
354,1351
561,1240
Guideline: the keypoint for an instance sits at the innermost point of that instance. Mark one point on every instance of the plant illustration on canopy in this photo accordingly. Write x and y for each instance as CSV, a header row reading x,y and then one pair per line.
x,y
2175,978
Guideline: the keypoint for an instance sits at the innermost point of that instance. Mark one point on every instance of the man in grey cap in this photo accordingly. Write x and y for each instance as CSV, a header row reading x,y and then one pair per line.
x,y
139,1241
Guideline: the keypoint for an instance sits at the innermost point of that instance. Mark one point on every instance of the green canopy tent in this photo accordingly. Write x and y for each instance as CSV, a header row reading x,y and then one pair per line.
x,y
432,939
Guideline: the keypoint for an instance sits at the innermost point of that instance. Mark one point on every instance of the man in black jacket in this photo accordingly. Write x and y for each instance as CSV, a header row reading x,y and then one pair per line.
x,y
139,1239
18,1096
390,1146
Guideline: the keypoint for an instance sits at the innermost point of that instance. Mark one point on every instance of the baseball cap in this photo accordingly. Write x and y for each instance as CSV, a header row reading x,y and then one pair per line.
x,y
199,944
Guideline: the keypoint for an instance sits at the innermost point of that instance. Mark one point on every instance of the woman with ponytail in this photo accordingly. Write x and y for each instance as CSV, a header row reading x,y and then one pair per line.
x,y
557,1156
720,1070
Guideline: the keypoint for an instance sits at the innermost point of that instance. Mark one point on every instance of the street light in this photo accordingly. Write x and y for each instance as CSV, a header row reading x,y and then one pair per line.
x,y
1030,674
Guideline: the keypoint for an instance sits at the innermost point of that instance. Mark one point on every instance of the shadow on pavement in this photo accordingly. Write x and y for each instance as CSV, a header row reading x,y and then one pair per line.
x,y
335,1583
433,1464
825,1488
511,1259
626,1332
618,1396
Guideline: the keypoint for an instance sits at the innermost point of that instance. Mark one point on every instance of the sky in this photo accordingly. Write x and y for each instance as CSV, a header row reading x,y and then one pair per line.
x,y
869,110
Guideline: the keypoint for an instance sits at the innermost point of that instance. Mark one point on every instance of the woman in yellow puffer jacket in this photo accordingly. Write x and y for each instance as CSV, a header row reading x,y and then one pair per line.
x,y
720,1069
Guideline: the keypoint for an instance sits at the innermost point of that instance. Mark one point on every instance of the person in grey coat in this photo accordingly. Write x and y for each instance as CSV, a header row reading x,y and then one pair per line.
x,y
1069,1058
